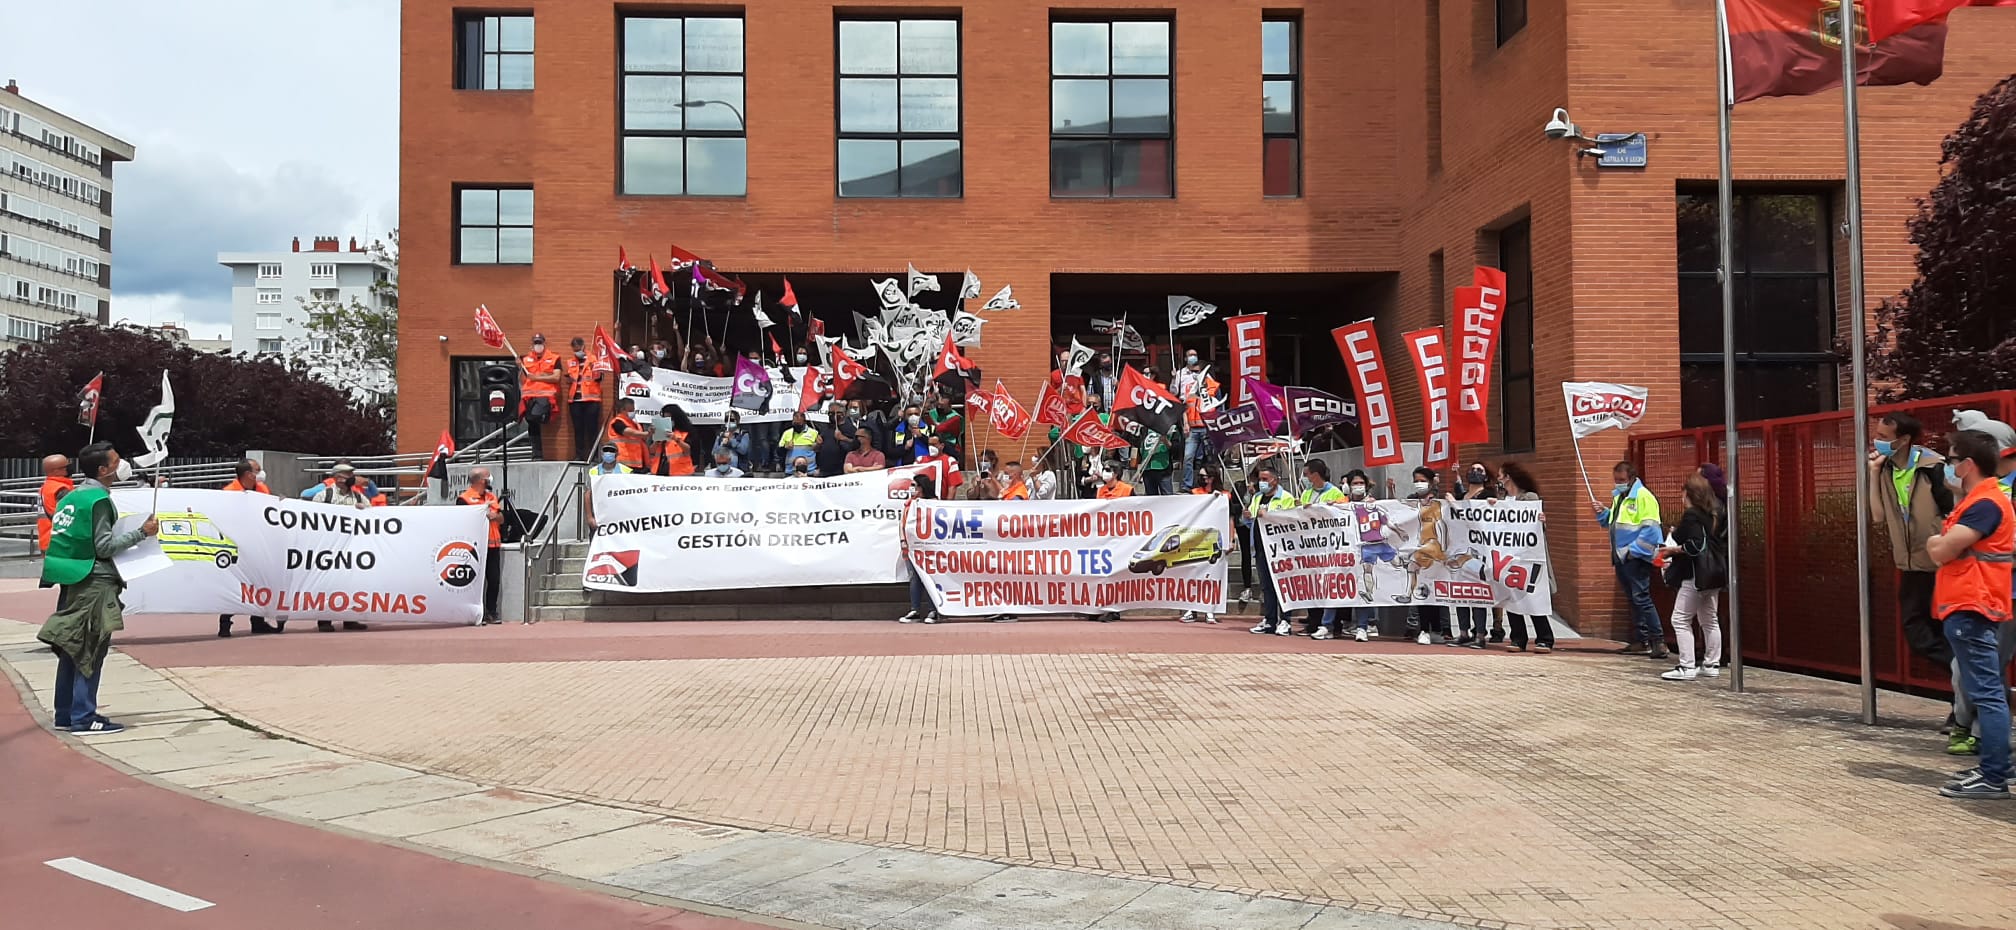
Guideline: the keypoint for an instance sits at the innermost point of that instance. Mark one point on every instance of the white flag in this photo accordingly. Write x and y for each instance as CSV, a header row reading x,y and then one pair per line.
x,y
1004,299
1187,311
966,328
762,319
969,287
1594,406
1079,358
154,429
889,292
919,281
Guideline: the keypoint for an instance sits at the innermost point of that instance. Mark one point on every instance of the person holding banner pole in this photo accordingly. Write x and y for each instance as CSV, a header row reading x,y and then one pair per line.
x,y
1472,623
1209,481
1359,489
247,480
479,495
1635,534
1317,489
1519,485
88,609
1268,495
1430,620
922,609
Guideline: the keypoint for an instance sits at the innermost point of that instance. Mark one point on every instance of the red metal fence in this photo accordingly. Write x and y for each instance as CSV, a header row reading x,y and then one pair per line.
x,y
1796,502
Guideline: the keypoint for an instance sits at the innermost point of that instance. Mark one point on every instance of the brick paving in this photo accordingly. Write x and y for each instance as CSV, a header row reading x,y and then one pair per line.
x,y
1557,792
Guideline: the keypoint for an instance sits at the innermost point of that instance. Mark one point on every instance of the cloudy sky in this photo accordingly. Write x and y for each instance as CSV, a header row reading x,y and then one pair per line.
x,y
255,121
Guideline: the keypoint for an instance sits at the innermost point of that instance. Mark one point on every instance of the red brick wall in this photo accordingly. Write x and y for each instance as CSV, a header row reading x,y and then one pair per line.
x,y
1605,293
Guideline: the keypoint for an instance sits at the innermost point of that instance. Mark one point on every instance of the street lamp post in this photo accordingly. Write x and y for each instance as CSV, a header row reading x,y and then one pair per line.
x,y
696,104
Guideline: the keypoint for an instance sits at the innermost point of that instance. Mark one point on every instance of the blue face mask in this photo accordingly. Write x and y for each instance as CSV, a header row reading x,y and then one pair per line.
x,y
1952,477
1884,447
1621,490
608,458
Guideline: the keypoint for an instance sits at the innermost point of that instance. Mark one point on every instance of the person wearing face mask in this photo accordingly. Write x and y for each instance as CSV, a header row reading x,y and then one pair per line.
x,y
584,399
1974,549
1267,495
250,479
948,475
1635,534
1110,485
922,610
800,444
911,437
538,392
56,482
734,441
724,467
1908,497
1474,623
79,563
1211,483
948,425
865,456
1519,485
478,494
1101,381
1428,620
1358,489
607,462
627,435
1320,622
1964,737
637,363
838,436
1194,386
342,489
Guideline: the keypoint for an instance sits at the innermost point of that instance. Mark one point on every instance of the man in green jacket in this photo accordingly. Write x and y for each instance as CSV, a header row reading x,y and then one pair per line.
x,y
81,547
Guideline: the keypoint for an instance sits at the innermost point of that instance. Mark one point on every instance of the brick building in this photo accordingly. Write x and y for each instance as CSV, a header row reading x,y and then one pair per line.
x,y
1397,144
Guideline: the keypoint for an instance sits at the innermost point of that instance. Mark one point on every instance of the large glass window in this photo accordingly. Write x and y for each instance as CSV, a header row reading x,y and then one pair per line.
x,y
1281,107
493,226
899,108
683,115
1515,339
1111,117
1785,307
493,51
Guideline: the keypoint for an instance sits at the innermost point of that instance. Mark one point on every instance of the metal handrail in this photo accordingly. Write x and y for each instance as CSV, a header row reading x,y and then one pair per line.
x,y
538,551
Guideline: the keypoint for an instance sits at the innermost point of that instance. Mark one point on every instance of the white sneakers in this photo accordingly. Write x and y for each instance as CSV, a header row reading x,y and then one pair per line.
x,y
1284,629
1246,596
1681,673
1710,671
1360,635
1422,639
1264,627
1322,632
911,617
1189,616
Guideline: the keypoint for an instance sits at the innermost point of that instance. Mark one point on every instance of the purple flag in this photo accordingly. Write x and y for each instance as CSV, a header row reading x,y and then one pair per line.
x,y
752,386
1230,426
1311,409
1272,400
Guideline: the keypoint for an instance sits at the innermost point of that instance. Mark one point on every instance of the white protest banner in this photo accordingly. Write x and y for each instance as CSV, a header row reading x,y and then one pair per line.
x,y
1392,553
241,553
1594,406
1070,557
706,398
705,534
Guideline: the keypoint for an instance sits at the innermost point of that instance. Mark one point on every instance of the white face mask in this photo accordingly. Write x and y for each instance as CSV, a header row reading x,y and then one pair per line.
x,y
261,478
1420,485
123,471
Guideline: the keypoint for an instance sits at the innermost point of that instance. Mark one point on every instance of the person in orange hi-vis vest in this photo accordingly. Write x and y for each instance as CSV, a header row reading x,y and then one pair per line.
x,y
584,399
56,482
539,392
250,479
628,437
480,495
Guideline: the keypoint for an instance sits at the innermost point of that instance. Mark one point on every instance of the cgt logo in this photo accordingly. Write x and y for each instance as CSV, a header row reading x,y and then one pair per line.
x,y
636,389
612,568
902,488
457,564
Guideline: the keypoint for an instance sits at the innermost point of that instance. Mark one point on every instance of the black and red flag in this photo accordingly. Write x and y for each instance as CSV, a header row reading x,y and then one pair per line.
x,y
87,401
437,467
659,290
954,370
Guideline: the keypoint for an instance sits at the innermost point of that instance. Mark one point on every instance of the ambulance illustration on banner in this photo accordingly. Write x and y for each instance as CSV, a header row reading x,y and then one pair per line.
x,y
1175,547
191,537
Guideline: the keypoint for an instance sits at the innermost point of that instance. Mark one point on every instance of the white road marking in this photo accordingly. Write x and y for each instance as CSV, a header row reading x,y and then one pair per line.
x,y
120,881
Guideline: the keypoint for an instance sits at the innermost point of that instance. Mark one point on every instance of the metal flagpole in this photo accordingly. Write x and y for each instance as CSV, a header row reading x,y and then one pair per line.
x,y
1725,214
1860,376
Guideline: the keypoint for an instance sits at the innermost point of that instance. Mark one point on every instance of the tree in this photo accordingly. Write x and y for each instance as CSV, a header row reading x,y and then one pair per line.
x,y
1953,331
355,345
224,404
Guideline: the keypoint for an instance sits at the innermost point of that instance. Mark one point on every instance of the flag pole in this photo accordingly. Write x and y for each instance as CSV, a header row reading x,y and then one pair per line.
x,y
1857,351
1726,241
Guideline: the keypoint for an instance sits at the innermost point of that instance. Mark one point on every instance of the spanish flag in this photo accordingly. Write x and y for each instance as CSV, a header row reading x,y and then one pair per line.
x,y
1791,48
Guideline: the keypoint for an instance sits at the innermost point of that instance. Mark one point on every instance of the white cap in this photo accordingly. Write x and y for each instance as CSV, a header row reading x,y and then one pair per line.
x,y
1976,420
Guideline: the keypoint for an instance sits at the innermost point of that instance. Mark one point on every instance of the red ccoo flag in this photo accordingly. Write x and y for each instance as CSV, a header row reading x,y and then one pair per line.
x,y
87,401
606,351
487,328
438,466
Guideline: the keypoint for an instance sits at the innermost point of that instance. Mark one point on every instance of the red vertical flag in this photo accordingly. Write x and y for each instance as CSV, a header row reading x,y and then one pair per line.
x,y
607,352
657,282
437,467
1249,351
1007,414
1358,343
87,400
1480,311
1431,362
1050,406
487,328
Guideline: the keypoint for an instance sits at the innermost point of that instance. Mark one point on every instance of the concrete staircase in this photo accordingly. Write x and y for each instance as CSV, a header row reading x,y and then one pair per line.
x,y
558,595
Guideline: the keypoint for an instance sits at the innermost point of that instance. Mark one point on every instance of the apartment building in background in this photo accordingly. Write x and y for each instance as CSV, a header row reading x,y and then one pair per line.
x,y
1321,162
271,293
55,218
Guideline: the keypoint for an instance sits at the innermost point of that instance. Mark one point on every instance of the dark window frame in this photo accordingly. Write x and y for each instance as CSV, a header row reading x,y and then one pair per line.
x,y
1111,136
474,400
1825,363
1516,383
1294,78
686,131
472,75
900,135
531,228
1508,19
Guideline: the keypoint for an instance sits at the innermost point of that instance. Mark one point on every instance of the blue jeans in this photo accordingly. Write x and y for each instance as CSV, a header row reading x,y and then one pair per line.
x,y
1196,445
1973,639
1329,615
1636,577
920,599
1157,482
77,694
1270,605
1367,617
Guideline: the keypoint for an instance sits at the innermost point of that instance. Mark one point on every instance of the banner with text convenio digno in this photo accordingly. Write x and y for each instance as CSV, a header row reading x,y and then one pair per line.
x,y
223,552
1071,557
706,534
1389,553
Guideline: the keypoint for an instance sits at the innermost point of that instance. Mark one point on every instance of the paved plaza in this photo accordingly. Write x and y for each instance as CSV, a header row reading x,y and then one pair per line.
x,y
1064,774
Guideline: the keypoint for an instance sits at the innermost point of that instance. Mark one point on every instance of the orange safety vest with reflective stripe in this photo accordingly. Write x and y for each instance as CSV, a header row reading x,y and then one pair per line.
x,y
544,363
585,382
259,486
484,499
1019,491
53,489
674,454
629,451
1116,489
1978,580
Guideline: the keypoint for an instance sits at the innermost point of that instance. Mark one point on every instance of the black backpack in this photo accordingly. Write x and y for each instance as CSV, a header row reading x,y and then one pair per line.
x,y
1711,564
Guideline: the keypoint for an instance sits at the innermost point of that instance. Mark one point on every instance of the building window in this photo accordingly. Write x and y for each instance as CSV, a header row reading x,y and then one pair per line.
x,y
267,321
324,295
1511,16
493,225
1111,127
1515,340
269,271
493,52
899,108
269,347
684,129
322,270
269,295
1785,306
1281,108
468,408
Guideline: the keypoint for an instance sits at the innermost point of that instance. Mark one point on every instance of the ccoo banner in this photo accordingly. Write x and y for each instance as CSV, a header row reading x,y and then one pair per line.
x,y
1386,553
705,398
705,534
1064,557
223,552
